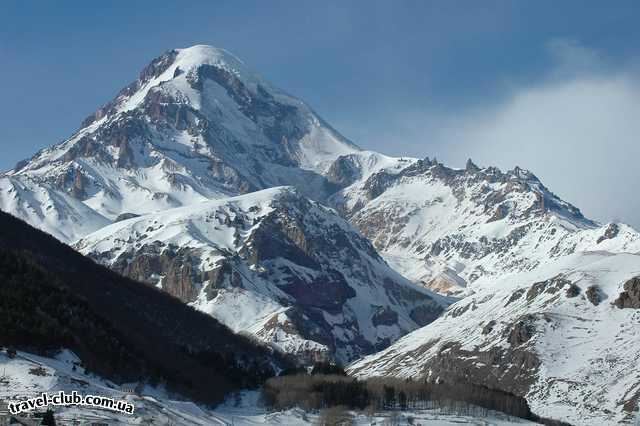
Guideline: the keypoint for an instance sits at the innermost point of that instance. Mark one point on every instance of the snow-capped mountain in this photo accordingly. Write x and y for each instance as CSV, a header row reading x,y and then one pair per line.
x,y
275,265
52,297
195,125
179,181
448,227
565,335
198,125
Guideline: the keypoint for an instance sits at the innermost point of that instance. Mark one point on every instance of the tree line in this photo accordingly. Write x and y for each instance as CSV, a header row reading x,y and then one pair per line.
x,y
327,391
52,297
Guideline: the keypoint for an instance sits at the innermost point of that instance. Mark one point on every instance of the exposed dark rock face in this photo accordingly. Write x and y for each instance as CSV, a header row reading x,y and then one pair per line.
x,y
119,135
20,164
422,314
328,292
488,327
167,112
471,167
425,314
181,279
230,177
474,250
385,316
281,237
594,294
73,182
630,297
516,295
513,370
611,232
343,172
521,331
550,286
632,404
297,254
125,216
459,310
175,269
572,291
378,183
500,213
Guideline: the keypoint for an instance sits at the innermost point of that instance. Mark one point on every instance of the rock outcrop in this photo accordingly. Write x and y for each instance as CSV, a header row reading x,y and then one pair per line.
x,y
542,334
431,221
630,297
273,264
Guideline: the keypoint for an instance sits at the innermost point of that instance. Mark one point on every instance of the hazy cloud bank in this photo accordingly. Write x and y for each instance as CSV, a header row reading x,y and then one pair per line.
x,y
577,129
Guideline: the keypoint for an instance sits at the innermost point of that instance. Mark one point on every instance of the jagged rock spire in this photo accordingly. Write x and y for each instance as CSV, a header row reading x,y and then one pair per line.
x,y
471,166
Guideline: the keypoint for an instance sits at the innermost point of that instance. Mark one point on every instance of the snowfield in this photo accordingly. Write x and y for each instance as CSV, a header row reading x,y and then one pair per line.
x,y
446,228
265,258
586,355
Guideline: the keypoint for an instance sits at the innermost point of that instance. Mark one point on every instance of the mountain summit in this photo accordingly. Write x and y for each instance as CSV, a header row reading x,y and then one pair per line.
x,y
447,227
195,125
206,181
198,125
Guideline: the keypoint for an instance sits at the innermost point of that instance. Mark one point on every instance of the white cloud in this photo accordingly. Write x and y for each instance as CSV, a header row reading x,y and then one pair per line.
x,y
578,130
572,59
581,137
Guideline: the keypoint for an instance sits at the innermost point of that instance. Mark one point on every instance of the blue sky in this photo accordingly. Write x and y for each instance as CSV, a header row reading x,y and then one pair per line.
x,y
548,85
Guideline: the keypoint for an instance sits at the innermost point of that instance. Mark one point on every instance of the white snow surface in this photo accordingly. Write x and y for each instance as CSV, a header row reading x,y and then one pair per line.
x,y
436,224
220,231
589,354
132,159
52,211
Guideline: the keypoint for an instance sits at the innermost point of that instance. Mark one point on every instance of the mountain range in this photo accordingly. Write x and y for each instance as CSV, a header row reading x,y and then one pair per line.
x,y
122,330
202,179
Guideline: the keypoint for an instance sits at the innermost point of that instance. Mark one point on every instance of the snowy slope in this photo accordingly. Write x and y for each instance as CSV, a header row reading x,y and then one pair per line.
x,y
28,375
447,227
197,124
552,335
55,212
273,264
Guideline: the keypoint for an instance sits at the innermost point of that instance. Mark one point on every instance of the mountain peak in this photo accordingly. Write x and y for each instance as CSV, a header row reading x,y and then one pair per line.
x,y
190,59
167,68
471,166
202,54
196,124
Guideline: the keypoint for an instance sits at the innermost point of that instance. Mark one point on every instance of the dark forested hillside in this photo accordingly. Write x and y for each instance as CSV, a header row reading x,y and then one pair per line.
x,y
51,297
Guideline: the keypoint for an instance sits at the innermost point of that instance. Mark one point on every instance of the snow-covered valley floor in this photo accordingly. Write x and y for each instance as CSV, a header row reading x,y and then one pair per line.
x,y
28,375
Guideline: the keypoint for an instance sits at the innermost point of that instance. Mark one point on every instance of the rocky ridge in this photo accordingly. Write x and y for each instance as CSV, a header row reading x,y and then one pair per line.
x,y
275,265
146,187
195,125
446,228
539,335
